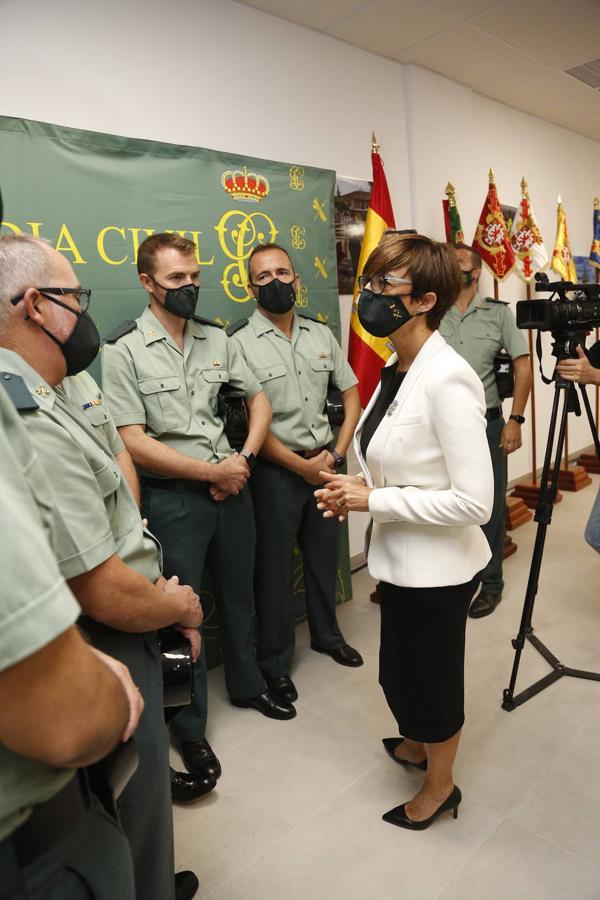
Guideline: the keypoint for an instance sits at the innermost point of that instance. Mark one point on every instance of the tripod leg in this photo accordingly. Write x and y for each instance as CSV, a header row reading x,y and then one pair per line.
x,y
590,418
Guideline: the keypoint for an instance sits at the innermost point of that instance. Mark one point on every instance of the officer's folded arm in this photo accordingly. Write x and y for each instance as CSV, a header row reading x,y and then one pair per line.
x,y
119,596
62,705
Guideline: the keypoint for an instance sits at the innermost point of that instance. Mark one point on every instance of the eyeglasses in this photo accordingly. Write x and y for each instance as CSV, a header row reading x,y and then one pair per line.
x,y
82,295
378,283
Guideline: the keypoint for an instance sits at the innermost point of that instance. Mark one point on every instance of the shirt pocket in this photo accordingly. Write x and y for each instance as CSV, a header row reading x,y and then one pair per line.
x,y
275,385
164,400
108,477
97,416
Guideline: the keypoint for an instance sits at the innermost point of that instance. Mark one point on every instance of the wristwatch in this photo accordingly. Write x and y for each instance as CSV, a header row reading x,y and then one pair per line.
x,y
249,457
338,460
519,419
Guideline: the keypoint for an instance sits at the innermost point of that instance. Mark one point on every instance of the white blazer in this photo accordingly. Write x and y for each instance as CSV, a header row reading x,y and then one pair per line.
x,y
430,465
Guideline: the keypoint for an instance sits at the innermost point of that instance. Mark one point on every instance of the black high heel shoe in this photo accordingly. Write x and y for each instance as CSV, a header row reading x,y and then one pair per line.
x,y
390,745
397,816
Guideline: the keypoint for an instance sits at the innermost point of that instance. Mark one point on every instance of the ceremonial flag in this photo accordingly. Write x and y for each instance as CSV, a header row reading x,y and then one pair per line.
x,y
595,251
367,354
562,258
491,239
526,240
454,232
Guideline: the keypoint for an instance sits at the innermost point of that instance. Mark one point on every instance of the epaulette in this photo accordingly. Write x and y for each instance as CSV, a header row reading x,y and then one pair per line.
x,y
241,323
312,319
18,392
120,330
493,300
202,321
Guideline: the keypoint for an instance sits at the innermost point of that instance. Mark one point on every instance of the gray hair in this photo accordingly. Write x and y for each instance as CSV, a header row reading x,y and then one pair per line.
x,y
24,263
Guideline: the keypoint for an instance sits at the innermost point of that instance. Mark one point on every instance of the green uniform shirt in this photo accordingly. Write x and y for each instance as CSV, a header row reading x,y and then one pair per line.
x,y
478,334
83,391
100,517
36,606
148,380
294,373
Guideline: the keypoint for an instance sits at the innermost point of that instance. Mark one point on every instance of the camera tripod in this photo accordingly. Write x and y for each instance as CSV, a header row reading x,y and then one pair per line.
x,y
563,348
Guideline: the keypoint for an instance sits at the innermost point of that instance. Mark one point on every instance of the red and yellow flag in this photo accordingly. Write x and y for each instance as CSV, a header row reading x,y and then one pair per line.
x,y
367,354
454,232
562,258
491,239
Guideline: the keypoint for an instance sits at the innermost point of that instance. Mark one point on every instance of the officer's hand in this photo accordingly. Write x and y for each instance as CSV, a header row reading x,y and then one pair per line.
x,y
134,697
192,611
578,370
217,494
193,636
313,468
231,474
510,439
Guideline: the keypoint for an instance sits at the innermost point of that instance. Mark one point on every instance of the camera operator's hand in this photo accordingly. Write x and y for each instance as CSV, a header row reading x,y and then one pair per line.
x,y
511,440
579,370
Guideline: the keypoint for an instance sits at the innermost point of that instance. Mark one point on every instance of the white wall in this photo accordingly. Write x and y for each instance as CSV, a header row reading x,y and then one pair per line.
x,y
216,74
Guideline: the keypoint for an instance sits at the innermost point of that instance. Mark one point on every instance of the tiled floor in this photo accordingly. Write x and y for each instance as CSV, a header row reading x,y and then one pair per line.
x,y
297,812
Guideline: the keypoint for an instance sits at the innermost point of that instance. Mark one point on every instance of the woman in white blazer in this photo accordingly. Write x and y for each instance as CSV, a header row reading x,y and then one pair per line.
x,y
427,481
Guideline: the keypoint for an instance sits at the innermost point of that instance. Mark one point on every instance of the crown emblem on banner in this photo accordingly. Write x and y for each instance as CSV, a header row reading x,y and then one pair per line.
x,y
245,185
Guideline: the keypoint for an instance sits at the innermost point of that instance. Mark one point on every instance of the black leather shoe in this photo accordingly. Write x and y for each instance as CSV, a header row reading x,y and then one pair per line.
x,y
397,816
199,758
186,885
344,655
390,745
269,705
185,786
484,605
282,686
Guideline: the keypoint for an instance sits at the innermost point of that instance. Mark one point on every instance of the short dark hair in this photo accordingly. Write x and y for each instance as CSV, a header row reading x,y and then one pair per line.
x,y
476,260
432,266
146,259
261,248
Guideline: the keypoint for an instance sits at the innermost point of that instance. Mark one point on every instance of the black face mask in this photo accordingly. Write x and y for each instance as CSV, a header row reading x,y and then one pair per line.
x,y
467,277
83,344
181,301
381,315
276,297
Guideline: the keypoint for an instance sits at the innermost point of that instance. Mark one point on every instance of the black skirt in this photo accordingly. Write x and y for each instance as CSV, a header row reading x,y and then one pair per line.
x,y
422,657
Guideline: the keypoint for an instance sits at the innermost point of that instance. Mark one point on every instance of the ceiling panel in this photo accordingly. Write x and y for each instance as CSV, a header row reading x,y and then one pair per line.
x,y
310,13
521,22
446,52
501,73
542,92
571,47
464,9
388,26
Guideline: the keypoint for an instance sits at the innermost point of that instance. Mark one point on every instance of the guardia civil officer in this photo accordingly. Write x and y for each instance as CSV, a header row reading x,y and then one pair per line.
x,y
294,358
63,705
161,376
478,328
112,567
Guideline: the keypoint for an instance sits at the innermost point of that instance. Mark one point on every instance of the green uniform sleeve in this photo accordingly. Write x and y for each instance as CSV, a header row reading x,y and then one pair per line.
x,y
240,375
120,386
84,538
513,338
343,375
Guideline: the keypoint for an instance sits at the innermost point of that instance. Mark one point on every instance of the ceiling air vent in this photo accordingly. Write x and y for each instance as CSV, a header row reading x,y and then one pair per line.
x,y
588,73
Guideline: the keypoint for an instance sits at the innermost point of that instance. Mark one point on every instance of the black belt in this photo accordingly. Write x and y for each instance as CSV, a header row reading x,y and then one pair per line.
x,y
309,454
51,821
494,412
173,484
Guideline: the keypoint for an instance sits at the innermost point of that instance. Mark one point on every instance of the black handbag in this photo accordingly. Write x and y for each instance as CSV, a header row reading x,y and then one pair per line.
x,y
232,409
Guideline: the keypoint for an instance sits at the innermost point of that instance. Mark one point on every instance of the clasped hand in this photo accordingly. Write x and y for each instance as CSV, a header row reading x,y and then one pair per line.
x,y
342,494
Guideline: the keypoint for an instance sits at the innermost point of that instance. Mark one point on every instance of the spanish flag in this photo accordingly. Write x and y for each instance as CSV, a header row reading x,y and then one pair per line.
x,y
562,258
367,354
595,248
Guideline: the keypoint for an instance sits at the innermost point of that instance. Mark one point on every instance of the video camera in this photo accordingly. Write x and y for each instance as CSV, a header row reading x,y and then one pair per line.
x,y
560,314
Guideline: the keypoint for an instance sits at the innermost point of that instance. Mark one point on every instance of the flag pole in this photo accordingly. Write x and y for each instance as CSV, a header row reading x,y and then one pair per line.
x,y
591,460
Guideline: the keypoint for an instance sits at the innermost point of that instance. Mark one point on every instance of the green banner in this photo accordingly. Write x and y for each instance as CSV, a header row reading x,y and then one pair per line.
x,y
96,197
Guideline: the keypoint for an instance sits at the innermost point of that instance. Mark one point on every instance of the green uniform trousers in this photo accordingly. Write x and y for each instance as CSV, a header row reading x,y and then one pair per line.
x,y
193,530
93,862
494,531
285,510
145,804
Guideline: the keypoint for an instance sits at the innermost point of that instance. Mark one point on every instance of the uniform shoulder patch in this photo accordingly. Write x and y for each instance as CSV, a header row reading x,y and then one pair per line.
x,y
241,323
121,330
202,321
18,392
311,318
493,300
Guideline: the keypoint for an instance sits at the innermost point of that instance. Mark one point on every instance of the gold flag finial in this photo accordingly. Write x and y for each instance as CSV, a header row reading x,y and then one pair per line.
x,y
524,187
596,202
450,190
491,175
559,200
374,144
